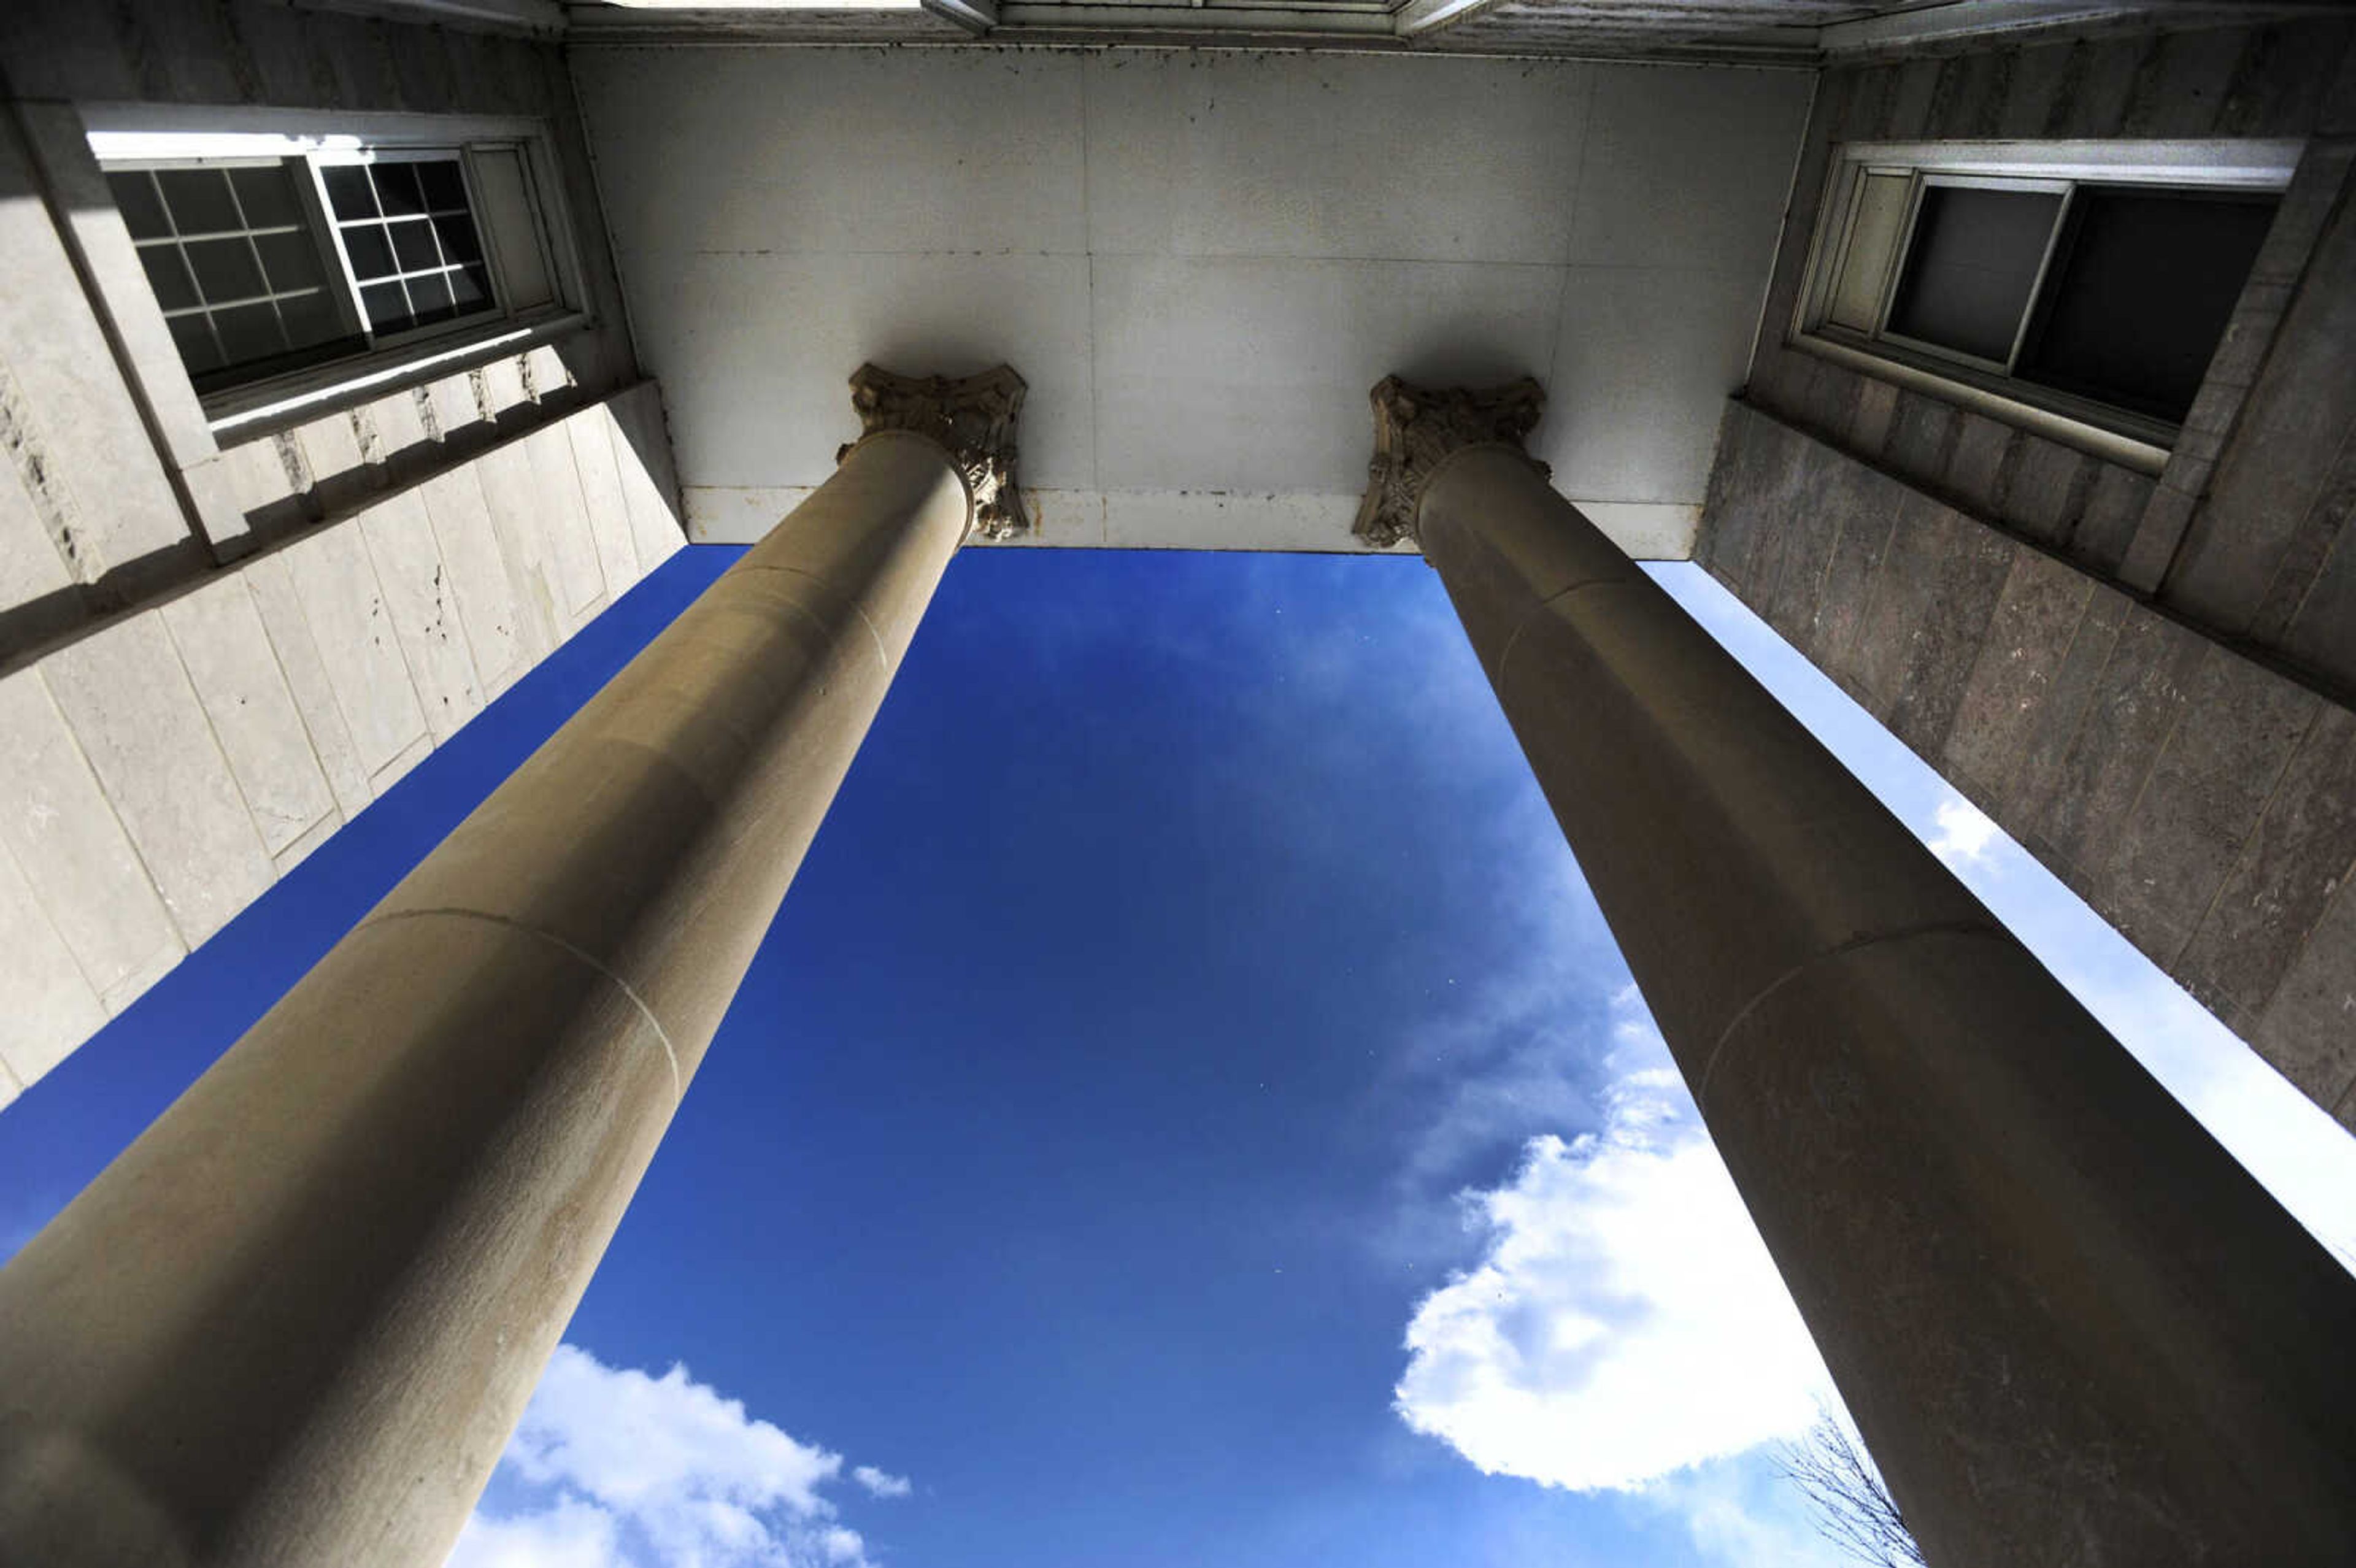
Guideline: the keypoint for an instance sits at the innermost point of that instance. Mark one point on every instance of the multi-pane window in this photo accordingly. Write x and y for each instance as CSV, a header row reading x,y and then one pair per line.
x,y
408,234
236,264
264,265
2099,297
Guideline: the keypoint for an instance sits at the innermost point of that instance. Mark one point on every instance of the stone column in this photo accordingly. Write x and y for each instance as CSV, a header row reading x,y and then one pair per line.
x,y
2072,1329
294,1322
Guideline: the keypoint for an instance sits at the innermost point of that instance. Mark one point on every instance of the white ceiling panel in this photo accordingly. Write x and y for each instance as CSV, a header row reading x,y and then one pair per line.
x,y
1200,260
1233,374
1338,157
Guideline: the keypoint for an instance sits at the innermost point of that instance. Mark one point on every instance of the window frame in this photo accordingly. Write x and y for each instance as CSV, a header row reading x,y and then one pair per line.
x,y
154,135
2121,434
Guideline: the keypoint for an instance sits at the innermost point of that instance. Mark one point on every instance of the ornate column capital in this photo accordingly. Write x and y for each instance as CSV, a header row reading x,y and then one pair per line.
x,y
973,416
1417,427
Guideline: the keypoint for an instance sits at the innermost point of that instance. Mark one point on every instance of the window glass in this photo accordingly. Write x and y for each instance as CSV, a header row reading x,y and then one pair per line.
x,y
1972,267
235,265
410,236
2142,287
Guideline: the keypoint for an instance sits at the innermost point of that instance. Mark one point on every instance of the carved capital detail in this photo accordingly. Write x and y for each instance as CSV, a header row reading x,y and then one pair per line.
x,y
1417,427
973,416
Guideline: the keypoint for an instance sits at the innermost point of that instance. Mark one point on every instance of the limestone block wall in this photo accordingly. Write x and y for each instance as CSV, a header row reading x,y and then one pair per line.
x,y
2241,533
160,771
118,487
221,636
2202,802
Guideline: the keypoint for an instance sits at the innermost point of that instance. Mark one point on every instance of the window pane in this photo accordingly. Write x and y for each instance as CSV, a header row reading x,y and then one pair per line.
x,y
430,295
266,197
200,200
458,241
412,245
445,190
348,191
387,306
1873,239
470,288
249,332
1971,267
290,260
2141,295
225,269
196,344
396,188
311,319
136,198
371,252
169,275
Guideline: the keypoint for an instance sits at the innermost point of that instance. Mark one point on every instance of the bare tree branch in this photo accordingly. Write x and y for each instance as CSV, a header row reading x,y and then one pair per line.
x,y
1853,1510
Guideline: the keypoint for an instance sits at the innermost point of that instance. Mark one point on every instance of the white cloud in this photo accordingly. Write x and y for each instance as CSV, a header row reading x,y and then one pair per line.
x,y
1625,1323
611,1468
882,1483
1961,832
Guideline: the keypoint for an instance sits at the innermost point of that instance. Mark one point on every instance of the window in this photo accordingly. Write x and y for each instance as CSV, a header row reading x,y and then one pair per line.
x,y
272,255
2092,282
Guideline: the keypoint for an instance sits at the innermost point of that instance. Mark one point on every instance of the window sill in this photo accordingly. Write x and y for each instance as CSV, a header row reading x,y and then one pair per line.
x,y
2146,450
297,399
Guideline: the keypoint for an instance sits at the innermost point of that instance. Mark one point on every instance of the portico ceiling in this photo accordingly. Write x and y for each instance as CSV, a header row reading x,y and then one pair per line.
x,y
1201,260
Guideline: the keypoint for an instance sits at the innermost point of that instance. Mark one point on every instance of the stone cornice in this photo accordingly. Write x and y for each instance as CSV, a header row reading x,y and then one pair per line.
x,y
1414,429
972,416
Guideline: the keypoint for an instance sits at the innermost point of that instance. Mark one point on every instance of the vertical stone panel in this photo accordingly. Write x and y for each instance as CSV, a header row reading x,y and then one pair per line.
x,y
572,550
2028,634
218,635
606,507
345,608
74,854
478,577
51,1005
423,607
137,719
271,581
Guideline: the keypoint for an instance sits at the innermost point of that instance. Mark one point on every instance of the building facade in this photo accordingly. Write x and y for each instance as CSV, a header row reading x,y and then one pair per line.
x,y
353,356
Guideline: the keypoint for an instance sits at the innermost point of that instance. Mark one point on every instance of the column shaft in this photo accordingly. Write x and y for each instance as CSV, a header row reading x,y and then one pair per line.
x,y
294,1322
2073,1329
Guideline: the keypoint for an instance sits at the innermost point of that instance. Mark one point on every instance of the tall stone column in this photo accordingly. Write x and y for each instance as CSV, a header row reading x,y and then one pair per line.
x,y
294,1322
2072,1329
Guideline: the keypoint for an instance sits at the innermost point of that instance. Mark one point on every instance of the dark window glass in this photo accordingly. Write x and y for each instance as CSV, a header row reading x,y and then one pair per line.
x,y
371,252
470,288
249,332
225,270
169,275
267,197
195,340
142,209
396,188
386,307
200,200
412,245
458,234
290,260
444,188
348,191
1971,267
2142,288
431,296
311,319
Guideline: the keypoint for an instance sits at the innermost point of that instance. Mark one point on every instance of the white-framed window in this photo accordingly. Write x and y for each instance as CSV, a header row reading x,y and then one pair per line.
x,y
287,257
2085,286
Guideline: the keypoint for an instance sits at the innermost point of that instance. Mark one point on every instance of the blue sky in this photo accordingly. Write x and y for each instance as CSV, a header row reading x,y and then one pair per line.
x,y
1188,1109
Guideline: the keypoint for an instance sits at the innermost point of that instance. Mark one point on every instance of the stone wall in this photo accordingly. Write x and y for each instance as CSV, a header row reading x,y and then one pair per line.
x,y
2239,533
215,649
119,488
160,772
2203,803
